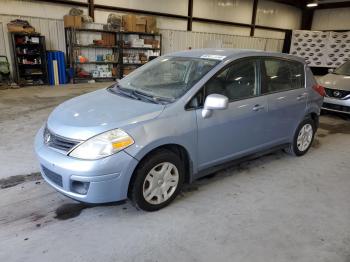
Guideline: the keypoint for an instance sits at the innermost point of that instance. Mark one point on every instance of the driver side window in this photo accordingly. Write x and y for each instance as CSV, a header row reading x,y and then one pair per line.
x,y
238,81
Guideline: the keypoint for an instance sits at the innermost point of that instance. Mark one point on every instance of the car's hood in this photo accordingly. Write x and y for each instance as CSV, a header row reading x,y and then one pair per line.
x,y
333,81
88,115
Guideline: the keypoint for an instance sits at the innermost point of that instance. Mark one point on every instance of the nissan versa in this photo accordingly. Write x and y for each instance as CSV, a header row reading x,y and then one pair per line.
x,y
175,119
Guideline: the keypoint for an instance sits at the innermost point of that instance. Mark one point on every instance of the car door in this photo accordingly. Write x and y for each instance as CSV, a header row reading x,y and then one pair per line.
x,y
239,129
283,83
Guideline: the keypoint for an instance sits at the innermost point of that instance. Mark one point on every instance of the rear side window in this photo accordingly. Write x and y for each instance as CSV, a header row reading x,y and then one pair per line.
x,y
281,75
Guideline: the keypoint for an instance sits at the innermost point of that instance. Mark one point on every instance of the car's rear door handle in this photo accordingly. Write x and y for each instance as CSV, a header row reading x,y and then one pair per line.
x,y
258,107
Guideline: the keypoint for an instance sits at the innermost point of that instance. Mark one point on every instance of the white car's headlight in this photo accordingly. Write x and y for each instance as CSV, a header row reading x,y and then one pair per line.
x,y
102,145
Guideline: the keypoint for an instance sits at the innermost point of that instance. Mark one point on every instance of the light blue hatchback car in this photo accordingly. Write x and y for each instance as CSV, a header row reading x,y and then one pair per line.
x,y
175,119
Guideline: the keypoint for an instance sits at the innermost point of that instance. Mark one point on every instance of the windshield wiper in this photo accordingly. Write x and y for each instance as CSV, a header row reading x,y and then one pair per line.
x,y
139,95
152,98
117,89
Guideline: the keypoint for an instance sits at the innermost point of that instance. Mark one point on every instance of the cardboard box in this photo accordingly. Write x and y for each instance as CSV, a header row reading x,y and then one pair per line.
x,y
128,22
151,24
13,28
140,24
148,41
108,39
155,43
133,23
72,21
137,43
127,71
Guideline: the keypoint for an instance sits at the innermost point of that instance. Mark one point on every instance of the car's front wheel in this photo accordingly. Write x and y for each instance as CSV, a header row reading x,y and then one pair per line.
x,y
158,180
303,138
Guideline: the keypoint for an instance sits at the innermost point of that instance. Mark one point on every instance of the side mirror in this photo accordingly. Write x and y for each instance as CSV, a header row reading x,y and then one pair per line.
x,y
214,102
330,70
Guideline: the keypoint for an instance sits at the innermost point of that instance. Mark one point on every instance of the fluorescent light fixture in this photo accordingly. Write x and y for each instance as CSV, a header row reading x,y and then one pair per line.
x,y
314,4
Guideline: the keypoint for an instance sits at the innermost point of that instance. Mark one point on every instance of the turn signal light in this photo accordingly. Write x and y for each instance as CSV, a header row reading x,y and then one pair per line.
x,y
319,89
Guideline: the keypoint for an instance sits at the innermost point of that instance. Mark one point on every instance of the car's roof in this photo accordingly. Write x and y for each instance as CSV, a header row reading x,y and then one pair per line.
x,y
229,53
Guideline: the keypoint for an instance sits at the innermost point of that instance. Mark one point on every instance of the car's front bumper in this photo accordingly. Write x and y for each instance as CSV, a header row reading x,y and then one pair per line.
x,y
104,180
336,105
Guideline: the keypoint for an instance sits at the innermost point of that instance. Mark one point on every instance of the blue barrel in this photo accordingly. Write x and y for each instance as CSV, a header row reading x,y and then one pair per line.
x,y
59,56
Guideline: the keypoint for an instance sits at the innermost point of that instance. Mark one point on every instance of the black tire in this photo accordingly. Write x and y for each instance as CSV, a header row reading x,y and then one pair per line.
x,y
293,147
145,166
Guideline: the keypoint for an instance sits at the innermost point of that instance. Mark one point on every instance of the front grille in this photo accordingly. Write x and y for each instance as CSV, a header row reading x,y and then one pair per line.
x,y
336,107
339,94
52,176
58,142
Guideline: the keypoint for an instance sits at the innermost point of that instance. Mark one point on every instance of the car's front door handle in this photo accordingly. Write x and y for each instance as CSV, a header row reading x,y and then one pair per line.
x,y
258,107
301,97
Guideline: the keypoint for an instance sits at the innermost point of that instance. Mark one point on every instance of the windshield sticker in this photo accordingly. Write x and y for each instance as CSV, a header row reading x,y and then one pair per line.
x,y
216,57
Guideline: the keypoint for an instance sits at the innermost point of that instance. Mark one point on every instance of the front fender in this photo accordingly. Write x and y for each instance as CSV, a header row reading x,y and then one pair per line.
x,y
178,129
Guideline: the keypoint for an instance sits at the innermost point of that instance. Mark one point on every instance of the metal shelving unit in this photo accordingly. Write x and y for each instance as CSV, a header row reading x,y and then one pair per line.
x,y
72,48
29,59
118,50
126,49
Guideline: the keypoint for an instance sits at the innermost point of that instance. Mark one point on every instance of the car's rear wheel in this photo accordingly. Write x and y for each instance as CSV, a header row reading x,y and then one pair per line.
x,y
303,138
158,180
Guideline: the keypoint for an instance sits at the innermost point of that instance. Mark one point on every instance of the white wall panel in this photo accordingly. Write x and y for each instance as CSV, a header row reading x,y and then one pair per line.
x,y
162,22
35,9
2,41
269,34
278,15
164,6
331,19
228,10
220,29
101,16
174,40
52,29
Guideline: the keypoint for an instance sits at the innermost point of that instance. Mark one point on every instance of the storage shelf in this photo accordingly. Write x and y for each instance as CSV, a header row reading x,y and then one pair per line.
x,y
29,54
29,74
27,44
95,30
96,62
72,47
30,65
140,48
138,33
89,78
33,75
133,64
95,46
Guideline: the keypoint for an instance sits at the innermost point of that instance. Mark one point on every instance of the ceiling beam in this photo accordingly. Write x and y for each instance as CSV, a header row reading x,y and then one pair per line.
x,y
65,2
333,5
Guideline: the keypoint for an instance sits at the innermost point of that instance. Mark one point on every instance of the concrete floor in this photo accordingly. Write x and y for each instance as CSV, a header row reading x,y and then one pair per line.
x,y
22,112
275,208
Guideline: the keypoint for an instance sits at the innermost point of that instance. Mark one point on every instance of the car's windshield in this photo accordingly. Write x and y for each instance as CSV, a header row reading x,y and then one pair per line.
x,y
344,69
167,77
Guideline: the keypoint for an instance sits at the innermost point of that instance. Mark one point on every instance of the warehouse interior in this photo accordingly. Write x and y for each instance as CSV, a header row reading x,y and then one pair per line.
x,y
267,207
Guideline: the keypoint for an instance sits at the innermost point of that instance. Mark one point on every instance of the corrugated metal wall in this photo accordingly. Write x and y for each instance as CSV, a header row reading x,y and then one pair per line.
x,y
179,40
173,40
52,29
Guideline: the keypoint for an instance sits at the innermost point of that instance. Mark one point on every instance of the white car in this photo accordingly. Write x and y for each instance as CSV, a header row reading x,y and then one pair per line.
x,y
337,87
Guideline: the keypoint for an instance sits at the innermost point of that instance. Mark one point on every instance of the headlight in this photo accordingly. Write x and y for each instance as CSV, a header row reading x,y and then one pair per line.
x,y
102,145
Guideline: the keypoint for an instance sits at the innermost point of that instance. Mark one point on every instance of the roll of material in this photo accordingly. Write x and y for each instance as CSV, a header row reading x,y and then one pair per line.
x,y
55,72
59,57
